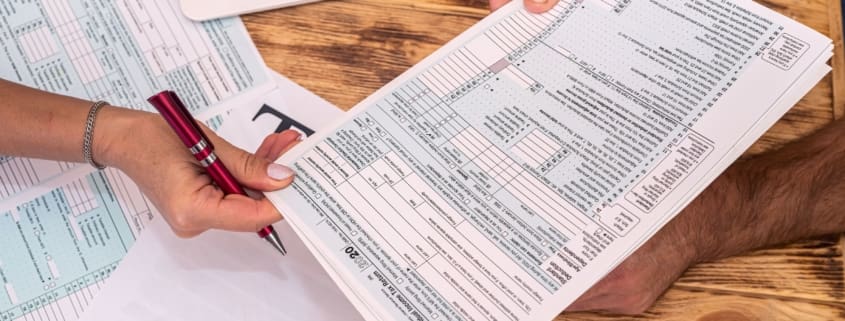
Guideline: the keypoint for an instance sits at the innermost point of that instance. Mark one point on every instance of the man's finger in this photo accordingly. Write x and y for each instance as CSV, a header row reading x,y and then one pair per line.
x,y
540,6
496,4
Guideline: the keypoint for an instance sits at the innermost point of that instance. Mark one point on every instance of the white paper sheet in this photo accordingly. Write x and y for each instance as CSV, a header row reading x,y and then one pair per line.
x,y
229,276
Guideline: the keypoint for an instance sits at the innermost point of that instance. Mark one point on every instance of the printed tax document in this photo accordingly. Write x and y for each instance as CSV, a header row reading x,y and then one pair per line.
x,y
504,175
121,52
228,276
65,227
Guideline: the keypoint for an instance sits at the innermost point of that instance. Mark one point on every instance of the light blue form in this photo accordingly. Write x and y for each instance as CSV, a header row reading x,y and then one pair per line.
x,y
62,242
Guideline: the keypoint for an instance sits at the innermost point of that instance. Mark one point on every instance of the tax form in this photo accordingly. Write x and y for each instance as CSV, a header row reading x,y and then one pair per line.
x,y
504,175
63,226
121,52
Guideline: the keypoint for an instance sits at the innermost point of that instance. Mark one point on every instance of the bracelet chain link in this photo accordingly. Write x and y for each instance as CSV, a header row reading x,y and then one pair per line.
x,y
88,138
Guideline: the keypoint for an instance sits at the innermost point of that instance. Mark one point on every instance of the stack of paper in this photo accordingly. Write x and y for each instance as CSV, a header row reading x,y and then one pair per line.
x,y
510,171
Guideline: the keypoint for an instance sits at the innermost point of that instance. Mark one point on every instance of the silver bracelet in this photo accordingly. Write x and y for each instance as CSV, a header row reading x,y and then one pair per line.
x,y
88,138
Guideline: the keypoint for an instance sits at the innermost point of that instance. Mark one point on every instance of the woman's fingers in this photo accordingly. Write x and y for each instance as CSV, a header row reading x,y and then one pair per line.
x,y
275,145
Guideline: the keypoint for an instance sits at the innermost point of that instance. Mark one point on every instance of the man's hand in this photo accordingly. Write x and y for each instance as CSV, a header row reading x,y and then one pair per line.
x,y
147,150
711,227
640,280
794,193
535,6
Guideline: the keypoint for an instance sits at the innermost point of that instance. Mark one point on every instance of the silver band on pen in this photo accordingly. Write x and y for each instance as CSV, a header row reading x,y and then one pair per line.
x,y
208,160
199,147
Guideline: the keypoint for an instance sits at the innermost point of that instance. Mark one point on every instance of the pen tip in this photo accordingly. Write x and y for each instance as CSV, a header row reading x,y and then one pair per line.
x,y
276,242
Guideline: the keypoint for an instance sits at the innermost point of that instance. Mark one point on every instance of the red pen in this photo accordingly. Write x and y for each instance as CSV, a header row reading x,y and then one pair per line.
x,y
190,133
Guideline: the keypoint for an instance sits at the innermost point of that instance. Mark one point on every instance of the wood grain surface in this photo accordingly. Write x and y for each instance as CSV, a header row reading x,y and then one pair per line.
x,y
345,50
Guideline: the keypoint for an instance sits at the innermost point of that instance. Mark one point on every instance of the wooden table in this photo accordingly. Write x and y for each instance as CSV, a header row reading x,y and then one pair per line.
x,y
345,50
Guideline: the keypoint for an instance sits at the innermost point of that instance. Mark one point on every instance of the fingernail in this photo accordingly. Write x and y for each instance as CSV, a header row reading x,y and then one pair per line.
x,y
539,1
279,172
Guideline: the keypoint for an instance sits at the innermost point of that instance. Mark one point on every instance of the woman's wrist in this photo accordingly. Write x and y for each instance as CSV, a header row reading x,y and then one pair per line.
x,y
117,130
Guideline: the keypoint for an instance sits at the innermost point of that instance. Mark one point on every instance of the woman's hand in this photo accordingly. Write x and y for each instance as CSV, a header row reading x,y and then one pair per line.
x,y
147,150
535,6
42,125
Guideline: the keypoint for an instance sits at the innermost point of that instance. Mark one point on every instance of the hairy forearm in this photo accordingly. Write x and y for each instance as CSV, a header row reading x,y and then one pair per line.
x,y
37,124
796,192
793,193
